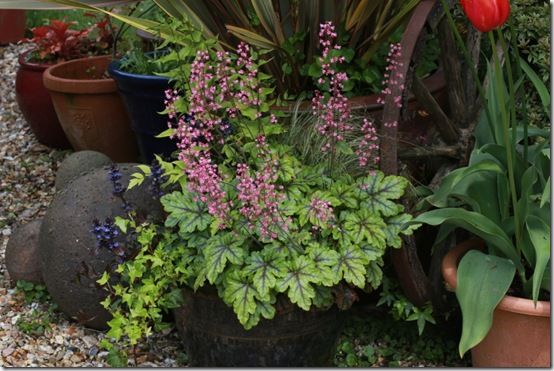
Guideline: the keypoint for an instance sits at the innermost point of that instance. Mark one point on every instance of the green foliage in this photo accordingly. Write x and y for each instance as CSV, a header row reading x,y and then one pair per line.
x,y
289,31
502,197
377,340
37,321
303,253
402,309
483,280
137,62
530,20
33,293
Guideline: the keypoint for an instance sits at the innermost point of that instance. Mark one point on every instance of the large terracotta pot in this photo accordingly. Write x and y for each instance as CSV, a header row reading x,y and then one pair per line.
x,y
520,333
12,25
35,103
213,336
89,108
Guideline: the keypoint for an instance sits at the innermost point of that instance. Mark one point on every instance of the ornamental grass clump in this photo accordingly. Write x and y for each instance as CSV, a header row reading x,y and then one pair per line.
x,y
246,212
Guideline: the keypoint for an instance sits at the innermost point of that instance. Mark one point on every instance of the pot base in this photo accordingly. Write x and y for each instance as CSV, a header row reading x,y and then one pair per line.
x,y
520,332
214,337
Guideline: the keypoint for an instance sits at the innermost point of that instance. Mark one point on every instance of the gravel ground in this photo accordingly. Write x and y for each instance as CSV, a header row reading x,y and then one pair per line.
x,y
26,188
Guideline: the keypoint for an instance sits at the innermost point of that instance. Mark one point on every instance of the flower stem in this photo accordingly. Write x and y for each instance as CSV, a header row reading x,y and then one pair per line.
x,y
500,89
524,120
511,89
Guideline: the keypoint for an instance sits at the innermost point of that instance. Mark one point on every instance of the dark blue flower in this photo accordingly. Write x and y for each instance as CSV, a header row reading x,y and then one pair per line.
x,y
157,179
114,175
106,234
226,128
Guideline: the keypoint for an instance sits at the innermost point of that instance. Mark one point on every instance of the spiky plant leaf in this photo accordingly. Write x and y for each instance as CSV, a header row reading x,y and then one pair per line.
x,y
301,273
240,293
365,226
220,250
265,267
324,258
351,265
190,215
378,192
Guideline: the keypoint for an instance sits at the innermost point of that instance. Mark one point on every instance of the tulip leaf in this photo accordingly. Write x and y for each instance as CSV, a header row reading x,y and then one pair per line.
x,y
539,233
475,223
483,280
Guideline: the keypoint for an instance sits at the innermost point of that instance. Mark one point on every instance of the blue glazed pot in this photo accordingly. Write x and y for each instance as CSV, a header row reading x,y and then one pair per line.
x,y
144,96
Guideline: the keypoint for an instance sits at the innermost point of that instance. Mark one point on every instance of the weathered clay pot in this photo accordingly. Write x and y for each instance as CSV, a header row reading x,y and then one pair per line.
x,y
214,337
520,333
35,103
12,25
89,108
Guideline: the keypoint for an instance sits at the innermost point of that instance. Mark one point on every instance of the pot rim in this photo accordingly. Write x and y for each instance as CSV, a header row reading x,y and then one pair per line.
x,y
434,83
27,64
78,86
115,72
509,303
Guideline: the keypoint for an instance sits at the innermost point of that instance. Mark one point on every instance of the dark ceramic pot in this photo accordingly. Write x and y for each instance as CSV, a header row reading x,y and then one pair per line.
x,y
35,103
214,337
144,97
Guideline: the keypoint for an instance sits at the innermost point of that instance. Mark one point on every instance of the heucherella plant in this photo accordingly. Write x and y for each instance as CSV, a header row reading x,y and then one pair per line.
x,y
246,214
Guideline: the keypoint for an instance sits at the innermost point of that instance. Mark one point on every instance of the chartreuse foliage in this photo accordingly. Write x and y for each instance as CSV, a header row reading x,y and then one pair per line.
x,y
300,263
305,263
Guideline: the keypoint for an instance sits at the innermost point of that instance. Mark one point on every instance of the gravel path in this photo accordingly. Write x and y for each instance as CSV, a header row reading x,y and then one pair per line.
x,y
26,189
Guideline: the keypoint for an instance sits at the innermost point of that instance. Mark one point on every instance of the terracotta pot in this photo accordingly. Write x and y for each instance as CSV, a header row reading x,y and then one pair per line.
x,y
520,333
12,26
35,103
89,108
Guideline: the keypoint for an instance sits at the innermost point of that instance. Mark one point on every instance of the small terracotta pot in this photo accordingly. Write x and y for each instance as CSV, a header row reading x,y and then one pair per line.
x,y
35,103
12,25
520,333
89,108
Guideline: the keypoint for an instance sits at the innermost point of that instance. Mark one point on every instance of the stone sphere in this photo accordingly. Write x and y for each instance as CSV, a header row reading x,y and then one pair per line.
x,y
22,260
78,164
70,260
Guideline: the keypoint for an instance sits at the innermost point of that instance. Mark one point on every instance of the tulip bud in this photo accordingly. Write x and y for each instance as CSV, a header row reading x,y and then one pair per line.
x,y
486,15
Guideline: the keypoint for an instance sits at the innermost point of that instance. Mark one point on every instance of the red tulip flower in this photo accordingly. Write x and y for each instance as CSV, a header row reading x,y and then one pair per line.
x,y
486,15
